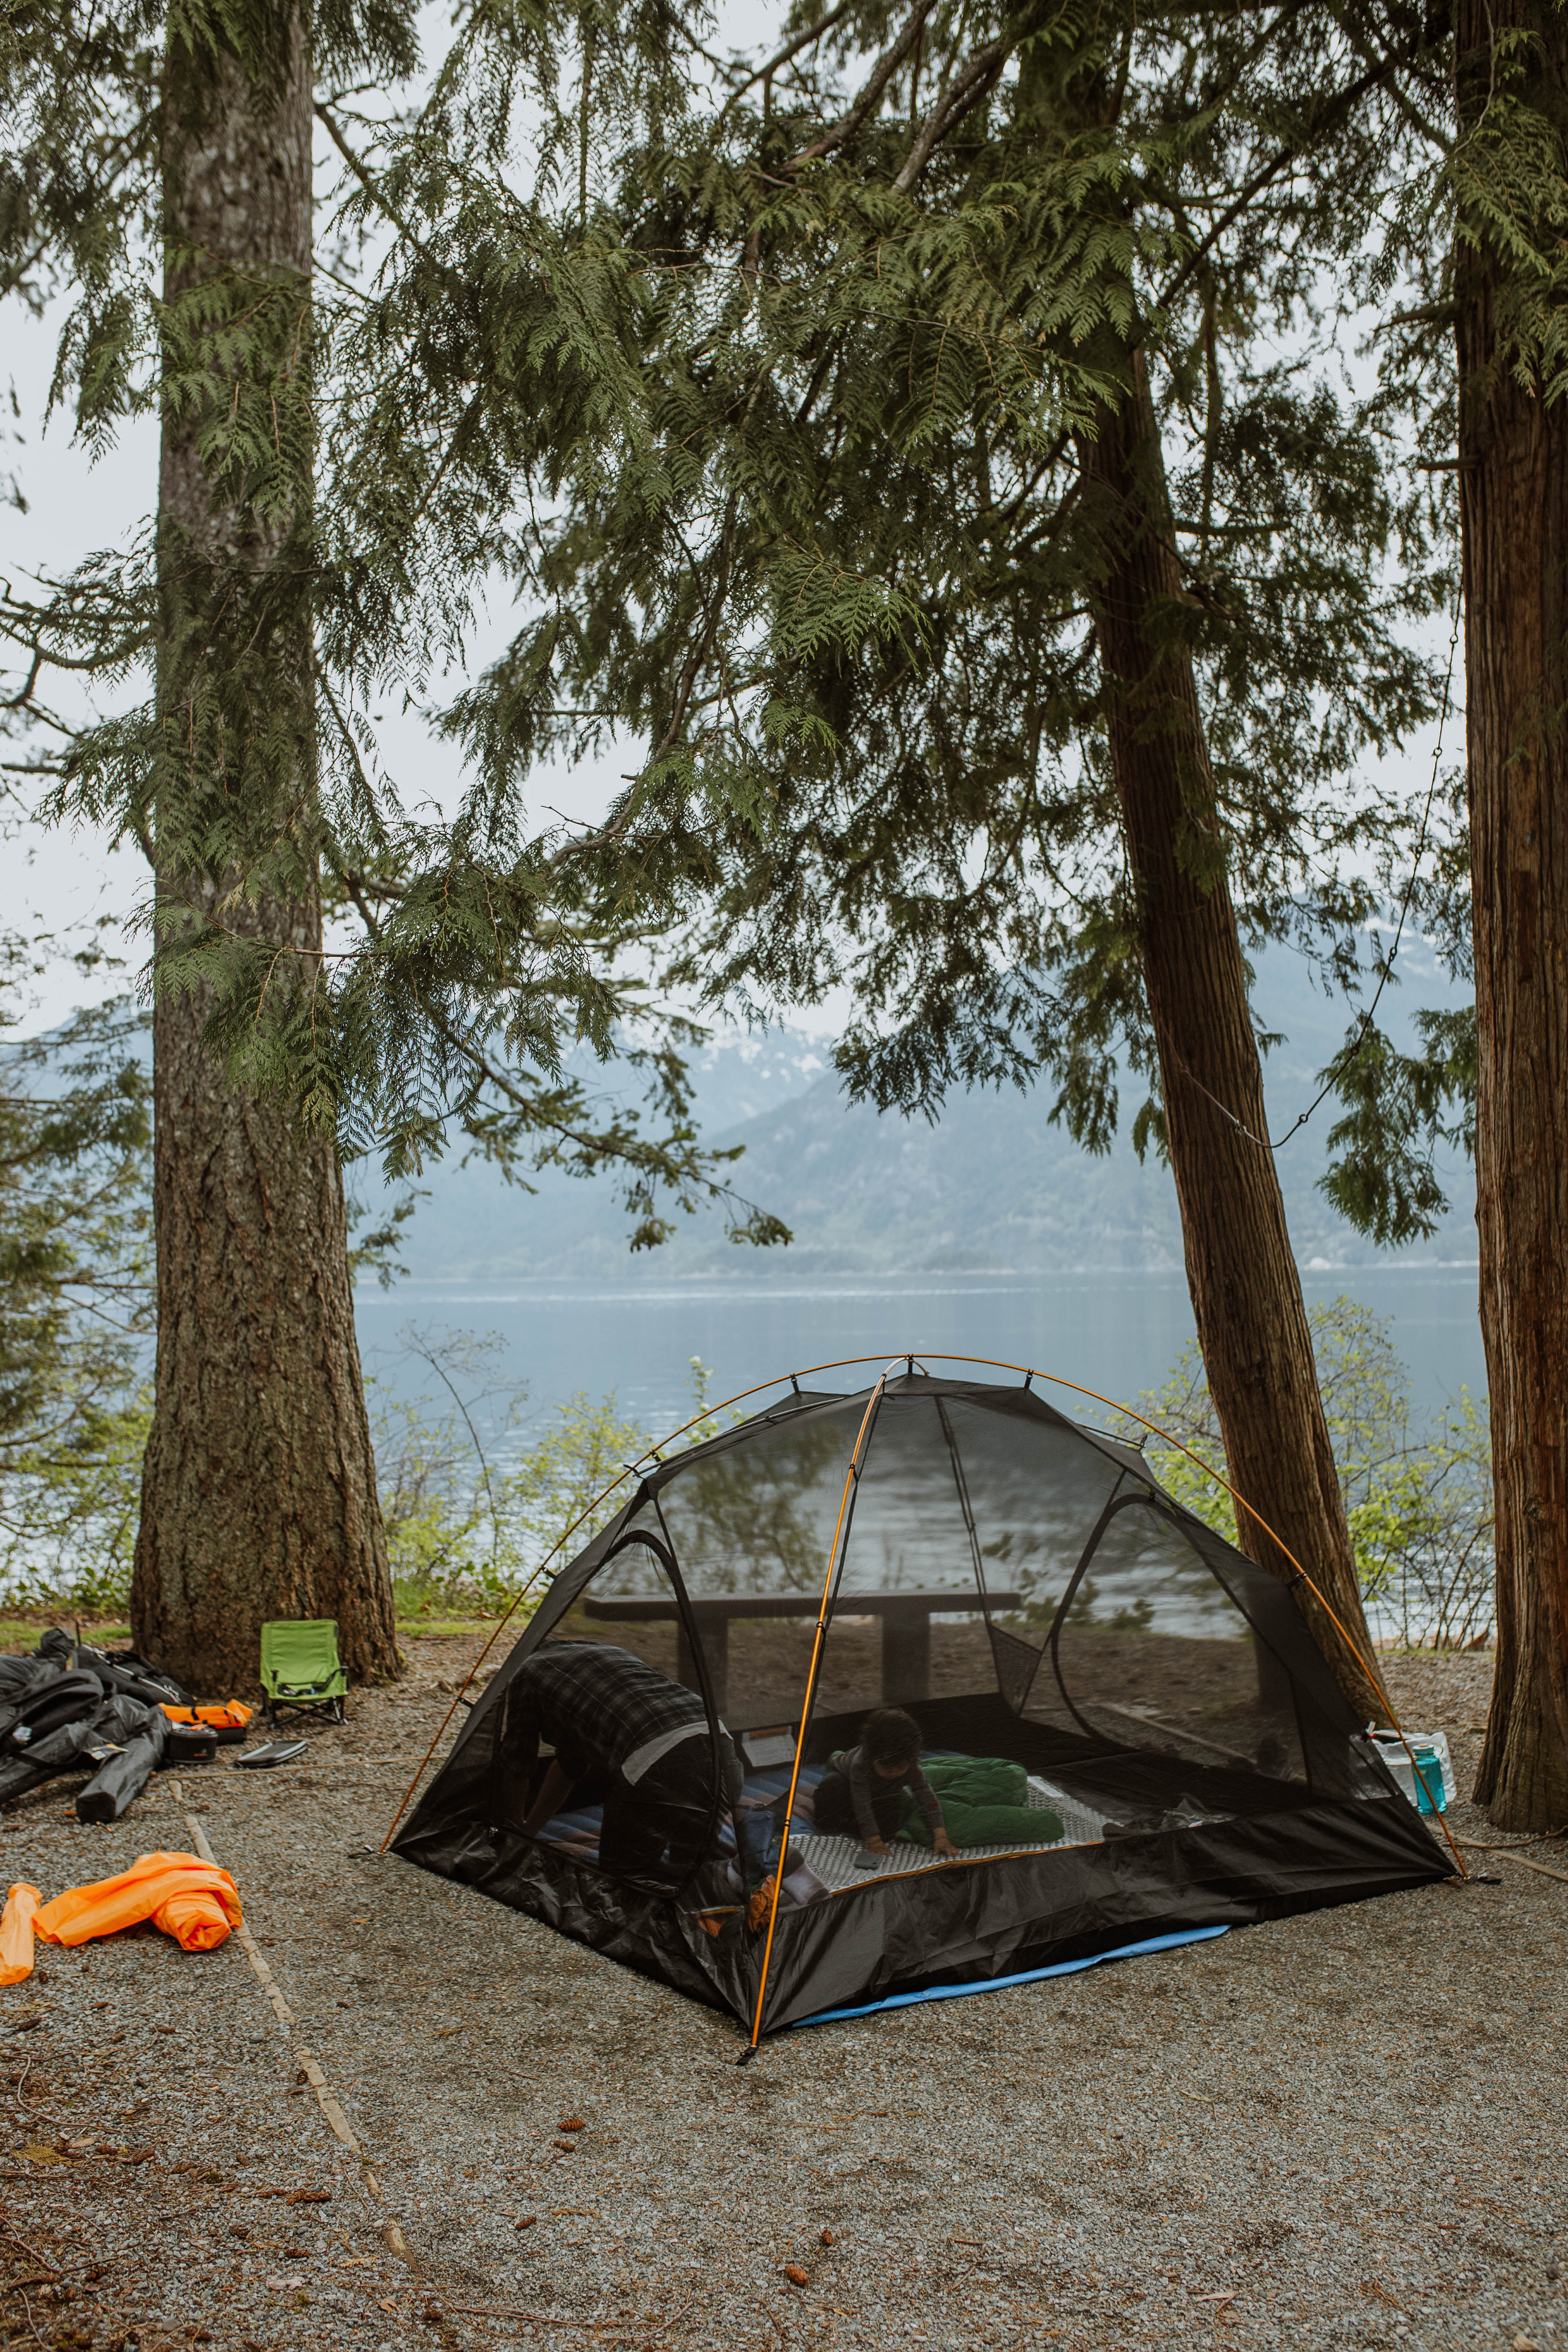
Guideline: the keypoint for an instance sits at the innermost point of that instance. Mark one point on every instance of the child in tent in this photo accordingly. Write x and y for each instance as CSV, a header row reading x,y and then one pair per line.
x,y
859,1794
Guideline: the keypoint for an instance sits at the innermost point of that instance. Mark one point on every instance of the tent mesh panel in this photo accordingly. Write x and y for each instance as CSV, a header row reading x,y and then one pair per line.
x,y
1126,1722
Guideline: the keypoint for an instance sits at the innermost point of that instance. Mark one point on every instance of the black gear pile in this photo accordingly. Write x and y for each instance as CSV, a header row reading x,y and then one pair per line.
x,y
72,1710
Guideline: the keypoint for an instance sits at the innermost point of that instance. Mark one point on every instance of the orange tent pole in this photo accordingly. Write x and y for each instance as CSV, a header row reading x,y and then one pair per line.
x,y
809,1695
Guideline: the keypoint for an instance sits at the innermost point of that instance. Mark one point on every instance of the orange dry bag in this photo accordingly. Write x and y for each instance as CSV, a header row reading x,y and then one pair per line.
x,y
191,1900
16,1932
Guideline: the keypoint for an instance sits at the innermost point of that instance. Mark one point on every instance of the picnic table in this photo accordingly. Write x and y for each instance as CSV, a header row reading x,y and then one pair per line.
x,y
906,1628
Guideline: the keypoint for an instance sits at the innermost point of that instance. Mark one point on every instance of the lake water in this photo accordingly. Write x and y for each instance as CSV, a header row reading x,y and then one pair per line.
x,y
1116,1333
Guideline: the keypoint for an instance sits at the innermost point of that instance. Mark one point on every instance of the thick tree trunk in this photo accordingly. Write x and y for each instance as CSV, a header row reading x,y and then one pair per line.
x,y
1245,1291
1513,500
259,1491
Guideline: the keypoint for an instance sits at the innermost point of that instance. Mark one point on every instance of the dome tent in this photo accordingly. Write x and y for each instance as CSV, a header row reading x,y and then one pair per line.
x,y
1127,1721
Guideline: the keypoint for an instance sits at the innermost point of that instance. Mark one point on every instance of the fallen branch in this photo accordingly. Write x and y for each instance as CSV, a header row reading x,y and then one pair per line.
x,y
547,2319
1513,1844
32,2326
665,2325
1523,1861
31,2252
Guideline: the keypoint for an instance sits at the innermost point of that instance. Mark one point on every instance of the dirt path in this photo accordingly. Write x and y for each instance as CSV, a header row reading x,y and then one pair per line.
x,y
1345,2129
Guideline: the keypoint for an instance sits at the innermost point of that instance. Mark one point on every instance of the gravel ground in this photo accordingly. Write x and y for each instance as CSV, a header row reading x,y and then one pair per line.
x,y
1341,2130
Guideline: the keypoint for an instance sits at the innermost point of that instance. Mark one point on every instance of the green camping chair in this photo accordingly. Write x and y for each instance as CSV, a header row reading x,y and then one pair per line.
x,y
300,1665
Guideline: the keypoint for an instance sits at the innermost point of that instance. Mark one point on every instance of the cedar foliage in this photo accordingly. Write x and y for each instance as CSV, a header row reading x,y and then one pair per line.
x,y
848,607
757,388
761,407
356,429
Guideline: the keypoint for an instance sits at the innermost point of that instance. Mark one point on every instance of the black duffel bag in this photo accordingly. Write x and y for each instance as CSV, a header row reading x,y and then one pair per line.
x,y
117,1670
110,1722
122,1670
124,1771
60,1699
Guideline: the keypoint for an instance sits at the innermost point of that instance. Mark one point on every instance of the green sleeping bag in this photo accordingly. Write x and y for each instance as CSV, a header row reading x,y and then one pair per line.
x,y
985,1801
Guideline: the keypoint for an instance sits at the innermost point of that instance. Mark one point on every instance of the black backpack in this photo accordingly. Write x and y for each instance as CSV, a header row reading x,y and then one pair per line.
x,y
122,1670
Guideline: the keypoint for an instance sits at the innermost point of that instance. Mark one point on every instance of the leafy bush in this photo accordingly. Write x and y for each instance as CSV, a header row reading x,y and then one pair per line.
x,y
1417,1490
468,1526
76,1301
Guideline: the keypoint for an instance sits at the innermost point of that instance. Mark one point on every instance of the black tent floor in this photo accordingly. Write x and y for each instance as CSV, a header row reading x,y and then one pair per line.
x,y
954,1923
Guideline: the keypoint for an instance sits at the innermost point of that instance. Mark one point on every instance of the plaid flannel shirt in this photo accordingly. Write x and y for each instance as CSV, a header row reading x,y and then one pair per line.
x,y
597,1705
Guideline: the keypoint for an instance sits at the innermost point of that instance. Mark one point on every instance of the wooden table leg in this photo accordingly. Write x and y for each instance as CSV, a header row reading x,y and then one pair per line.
x,y
906,1655
715,1635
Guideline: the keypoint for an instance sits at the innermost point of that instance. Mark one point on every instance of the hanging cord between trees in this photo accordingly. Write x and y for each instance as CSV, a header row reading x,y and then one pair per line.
x,y
1347,1054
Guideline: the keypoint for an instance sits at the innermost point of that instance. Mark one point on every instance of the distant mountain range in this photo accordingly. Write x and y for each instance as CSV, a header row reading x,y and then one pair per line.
x,y
992,1187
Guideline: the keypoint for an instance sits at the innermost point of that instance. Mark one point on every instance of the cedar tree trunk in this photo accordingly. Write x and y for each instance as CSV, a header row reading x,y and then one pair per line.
x,y
1513,500
258,1490
1241,1273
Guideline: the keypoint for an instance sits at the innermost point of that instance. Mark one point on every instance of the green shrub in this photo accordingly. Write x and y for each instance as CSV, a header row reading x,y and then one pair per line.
x,y
75,1302
1417,1490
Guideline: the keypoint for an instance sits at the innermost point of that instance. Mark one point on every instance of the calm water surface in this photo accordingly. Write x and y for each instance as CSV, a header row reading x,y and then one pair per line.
x,y
1117,1333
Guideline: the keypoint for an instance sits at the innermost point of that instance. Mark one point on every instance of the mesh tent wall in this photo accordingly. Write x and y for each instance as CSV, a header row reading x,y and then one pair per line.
x,y
1129,1727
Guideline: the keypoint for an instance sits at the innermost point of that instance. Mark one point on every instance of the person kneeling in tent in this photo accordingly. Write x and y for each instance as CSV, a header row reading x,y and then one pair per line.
x,y
618,1722
859,1792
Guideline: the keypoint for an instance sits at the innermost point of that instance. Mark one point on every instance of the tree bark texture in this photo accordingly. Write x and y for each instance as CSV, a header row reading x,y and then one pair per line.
x,y
258,1489
1241,1273
1513,500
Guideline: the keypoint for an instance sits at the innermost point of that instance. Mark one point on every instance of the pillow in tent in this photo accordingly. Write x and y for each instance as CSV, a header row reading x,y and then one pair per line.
x,y
985,1801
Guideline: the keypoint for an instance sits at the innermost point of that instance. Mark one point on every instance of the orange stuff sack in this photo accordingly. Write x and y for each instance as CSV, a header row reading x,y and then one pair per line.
x,y
16,1932
196,1918
189,1900
233,1715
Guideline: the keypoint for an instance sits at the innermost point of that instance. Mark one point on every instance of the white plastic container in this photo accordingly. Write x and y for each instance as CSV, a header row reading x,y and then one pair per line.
x,y
1435,1790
